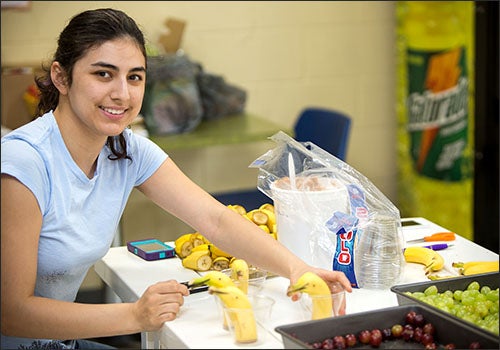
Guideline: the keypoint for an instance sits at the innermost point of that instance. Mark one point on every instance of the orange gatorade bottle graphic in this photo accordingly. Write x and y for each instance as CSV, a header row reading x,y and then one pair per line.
x,y
435,112
437,102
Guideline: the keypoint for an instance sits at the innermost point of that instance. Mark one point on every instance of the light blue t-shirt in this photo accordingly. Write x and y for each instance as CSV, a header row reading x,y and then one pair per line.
x,y
80,215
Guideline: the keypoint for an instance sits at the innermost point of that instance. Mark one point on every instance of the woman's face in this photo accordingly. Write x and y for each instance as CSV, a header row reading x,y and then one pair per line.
x,y
108,87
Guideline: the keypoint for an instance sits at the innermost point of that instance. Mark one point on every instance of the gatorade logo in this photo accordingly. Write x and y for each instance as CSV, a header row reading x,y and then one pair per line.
x,y
438,109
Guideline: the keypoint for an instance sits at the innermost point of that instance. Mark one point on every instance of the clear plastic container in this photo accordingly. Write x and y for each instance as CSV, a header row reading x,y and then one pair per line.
x,y
378,253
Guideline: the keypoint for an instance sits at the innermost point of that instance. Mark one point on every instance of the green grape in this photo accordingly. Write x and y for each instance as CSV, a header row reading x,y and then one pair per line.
x,y
492,295
448,294
431,290
473,286
475,304
481,309
485,290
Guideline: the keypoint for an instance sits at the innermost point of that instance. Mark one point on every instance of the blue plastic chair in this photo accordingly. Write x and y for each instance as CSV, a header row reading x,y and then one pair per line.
x,y
328,129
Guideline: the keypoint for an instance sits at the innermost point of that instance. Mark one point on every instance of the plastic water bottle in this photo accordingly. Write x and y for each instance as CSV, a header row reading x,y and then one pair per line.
x,y
378,254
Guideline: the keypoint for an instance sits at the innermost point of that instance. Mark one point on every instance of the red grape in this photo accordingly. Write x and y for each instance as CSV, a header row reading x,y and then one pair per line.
x,y
350,340
364,336
410,317
339,342
418,320
417,334
375,338
429,328
427,339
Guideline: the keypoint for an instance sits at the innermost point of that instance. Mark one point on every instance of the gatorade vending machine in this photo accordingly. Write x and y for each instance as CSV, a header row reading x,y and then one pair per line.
x,y
435,112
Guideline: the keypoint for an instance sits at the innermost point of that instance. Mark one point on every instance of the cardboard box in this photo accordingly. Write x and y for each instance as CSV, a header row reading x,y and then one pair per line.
x,y
15,81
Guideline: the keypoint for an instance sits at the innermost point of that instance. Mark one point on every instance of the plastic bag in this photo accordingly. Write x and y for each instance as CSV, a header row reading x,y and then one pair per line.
x,y
331,215
172,102
218,97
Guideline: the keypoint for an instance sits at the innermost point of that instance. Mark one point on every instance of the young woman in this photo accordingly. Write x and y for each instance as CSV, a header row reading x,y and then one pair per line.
x,y
66,178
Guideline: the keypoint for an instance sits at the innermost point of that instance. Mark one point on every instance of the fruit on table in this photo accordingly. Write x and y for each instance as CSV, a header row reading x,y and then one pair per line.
x,y
415,336
212,279
220,263
431,259
240,273
476,304
195,241
475,267
199,261
183,245
314,285
240,312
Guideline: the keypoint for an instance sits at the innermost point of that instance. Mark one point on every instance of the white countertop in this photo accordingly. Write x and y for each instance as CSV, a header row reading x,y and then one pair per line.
x,y
199,324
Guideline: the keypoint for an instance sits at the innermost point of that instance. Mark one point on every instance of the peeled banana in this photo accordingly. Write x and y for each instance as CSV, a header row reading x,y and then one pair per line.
x,y
183,245
199,260
220,263
314,285
240,274
476,267
240,312
431,259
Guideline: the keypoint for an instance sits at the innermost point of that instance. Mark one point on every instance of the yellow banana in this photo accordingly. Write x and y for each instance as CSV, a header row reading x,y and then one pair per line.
x,y
220,263
240,312
238,208
271,222
432,260
204,246
265,228
476,267
198,261
240,274
314,285
215,251
197,239
267,206
213,279
183,245
258,217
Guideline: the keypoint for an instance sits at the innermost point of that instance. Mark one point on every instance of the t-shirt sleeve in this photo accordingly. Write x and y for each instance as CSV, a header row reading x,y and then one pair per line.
x,y
148,155
22,161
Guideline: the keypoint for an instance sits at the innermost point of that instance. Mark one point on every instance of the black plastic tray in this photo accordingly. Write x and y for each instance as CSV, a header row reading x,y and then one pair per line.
x,y
486,279
301,335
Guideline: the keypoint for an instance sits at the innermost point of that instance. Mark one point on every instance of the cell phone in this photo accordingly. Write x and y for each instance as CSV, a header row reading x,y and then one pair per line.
x,y
151,249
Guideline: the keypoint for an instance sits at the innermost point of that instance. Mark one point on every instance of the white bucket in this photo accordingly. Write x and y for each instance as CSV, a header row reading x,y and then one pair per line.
x,y
301,218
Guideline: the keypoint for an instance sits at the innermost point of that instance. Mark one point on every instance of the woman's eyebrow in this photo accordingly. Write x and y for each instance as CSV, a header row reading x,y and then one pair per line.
x,y
115,68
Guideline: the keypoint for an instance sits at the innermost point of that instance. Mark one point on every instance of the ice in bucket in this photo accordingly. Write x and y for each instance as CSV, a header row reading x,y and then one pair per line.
x,y
301,215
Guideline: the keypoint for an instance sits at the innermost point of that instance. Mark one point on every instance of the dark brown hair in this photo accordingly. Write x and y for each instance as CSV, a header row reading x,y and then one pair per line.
x,y
86,30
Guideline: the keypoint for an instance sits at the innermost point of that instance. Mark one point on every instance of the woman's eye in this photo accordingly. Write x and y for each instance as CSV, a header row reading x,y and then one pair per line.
x,y
136,77
103,74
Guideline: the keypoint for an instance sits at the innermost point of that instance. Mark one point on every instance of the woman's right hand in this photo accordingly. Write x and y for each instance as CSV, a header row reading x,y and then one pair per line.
x,y
160,302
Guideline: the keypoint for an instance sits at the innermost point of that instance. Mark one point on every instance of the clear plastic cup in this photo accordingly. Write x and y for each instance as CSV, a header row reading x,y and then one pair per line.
x,y
314,307
248,326
256,279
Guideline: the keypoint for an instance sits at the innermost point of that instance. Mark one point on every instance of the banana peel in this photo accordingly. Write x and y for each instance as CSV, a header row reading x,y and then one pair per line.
x,y
199,261
239,311
476,267
431,259
314,285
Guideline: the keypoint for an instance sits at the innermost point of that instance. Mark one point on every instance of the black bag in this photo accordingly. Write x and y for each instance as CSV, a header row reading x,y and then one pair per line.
x,y
172,102
219,98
